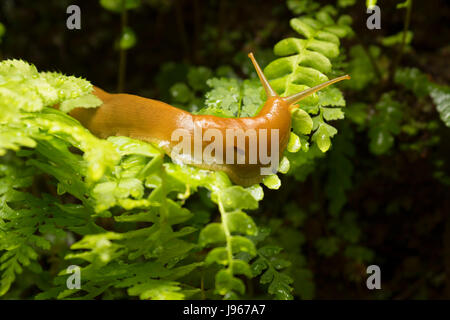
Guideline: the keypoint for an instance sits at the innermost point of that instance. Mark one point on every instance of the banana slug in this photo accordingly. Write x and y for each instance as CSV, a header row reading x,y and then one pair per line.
x,y
155,122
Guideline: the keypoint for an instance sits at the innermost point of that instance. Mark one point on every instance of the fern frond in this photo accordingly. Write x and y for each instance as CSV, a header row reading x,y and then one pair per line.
x,y
304,63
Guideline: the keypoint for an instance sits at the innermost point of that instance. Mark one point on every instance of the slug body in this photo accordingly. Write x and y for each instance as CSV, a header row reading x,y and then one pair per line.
x,y
156,122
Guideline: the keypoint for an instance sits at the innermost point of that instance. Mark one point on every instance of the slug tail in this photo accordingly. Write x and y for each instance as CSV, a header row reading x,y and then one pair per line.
x,y
302,95
269,90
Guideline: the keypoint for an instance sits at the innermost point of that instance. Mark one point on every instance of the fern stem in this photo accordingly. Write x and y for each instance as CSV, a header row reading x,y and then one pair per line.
x,y
202,287
371,58
181,28
122,53
224,218
403,44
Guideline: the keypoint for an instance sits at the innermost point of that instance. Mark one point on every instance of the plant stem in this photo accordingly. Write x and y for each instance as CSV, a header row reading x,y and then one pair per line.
x,y
224,218
197,27
220,25
446,253
181,28
403,44
122,53
371,58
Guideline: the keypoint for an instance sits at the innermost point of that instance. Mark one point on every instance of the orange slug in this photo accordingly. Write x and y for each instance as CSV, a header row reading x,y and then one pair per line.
x,y
155,122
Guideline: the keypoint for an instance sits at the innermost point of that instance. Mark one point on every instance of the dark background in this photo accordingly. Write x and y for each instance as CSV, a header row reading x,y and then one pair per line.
x,y
181,32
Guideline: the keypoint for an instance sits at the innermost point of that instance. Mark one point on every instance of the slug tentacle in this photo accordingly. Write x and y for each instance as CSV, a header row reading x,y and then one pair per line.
x,y
269,90
302,95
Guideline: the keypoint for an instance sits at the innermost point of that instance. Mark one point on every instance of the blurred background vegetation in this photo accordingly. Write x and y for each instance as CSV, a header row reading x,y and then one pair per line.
x,y
379,196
